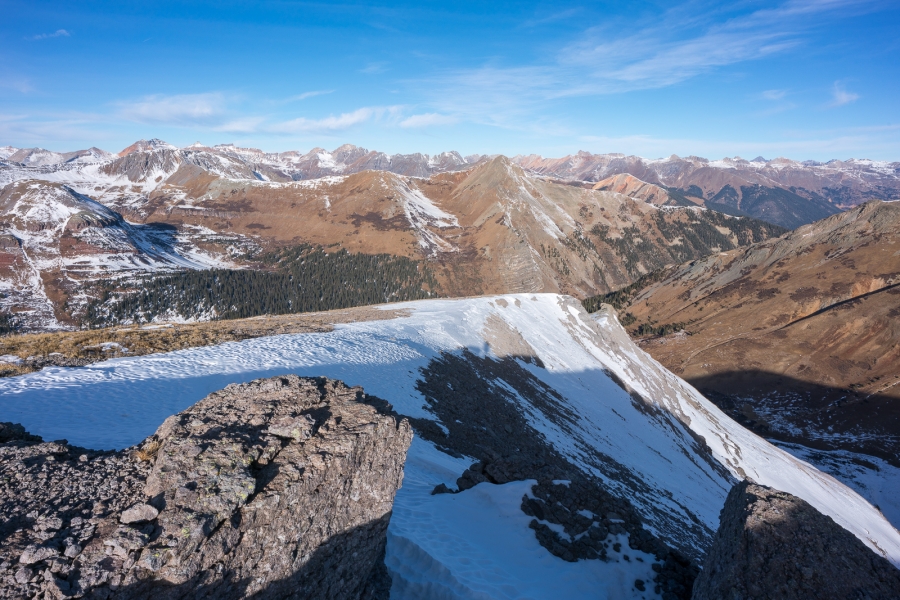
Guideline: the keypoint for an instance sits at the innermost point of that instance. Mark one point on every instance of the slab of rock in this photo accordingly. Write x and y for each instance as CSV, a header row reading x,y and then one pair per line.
x,y
139,513
278,488
771,544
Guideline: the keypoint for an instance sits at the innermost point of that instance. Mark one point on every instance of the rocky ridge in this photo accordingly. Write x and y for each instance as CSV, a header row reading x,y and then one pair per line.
x,y
575,515
282,486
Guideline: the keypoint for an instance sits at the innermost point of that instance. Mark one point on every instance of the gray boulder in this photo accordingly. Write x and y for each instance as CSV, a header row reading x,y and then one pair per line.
x,y
771,544
279,488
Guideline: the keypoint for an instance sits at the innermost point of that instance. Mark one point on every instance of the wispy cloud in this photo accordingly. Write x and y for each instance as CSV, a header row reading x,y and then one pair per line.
x,y
182,109
776,103
18,84
551,18
843,143
840,96
773,94
55,34
374,68
427,120
311,94
49,129
334,123
682,43
240,125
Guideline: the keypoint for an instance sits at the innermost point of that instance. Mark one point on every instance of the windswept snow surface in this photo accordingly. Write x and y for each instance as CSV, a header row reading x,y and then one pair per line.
x,y
434,540
478,545
876,480
421,212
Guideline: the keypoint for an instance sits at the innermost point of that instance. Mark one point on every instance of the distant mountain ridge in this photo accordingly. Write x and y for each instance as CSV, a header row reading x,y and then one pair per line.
x,y
782,191
487,227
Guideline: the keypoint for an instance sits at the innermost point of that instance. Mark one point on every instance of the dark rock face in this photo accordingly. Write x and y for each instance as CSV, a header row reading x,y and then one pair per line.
x,y
771,544
278,488
13,431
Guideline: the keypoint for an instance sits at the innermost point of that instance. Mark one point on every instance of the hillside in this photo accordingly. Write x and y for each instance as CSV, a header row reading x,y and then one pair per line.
x,y
54,239
521,404
796,337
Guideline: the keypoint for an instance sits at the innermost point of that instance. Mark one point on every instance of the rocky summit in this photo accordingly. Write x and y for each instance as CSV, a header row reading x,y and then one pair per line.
x,y
771,544
280,487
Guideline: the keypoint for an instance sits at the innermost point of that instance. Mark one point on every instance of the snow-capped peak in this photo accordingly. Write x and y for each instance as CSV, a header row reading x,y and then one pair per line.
x,y
7,151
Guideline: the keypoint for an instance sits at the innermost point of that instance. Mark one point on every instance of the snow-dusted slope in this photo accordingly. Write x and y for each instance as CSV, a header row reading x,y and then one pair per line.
x,y
631,423
7,151
52,239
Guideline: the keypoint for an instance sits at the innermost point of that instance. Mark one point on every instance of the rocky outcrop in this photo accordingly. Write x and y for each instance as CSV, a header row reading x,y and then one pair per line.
x,y
279,488
771,544
10,432
630,185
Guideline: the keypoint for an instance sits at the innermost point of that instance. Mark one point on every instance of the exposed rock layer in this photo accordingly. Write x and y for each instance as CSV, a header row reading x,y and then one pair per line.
x,y
771,544
281,487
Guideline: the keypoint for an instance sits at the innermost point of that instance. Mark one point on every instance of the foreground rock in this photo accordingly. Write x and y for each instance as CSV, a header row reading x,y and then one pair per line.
x,y
771,544
281,487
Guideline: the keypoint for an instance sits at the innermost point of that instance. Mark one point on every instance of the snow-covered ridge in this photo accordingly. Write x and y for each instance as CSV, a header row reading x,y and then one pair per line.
x,y
647,429
147,165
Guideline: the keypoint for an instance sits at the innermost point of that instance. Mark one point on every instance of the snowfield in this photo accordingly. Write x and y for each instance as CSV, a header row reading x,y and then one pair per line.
x,y
477,544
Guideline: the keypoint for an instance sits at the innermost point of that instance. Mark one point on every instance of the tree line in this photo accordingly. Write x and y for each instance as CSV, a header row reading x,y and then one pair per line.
x,y
292,280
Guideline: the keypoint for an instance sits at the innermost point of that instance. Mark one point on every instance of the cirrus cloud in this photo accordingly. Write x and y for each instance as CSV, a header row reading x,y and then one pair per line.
x,y
55,34
427,120
180,109
334,123
840,96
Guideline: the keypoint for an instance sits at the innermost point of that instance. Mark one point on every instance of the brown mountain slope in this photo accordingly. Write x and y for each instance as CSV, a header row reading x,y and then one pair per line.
x,y
53,239
490,229
781,191
798,337
635,188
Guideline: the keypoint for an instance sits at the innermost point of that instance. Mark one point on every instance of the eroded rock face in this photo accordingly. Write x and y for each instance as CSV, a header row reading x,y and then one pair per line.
x,y
281,487
771,544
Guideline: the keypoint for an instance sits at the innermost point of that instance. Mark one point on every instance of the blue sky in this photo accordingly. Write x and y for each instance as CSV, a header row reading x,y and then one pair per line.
x,y
803,79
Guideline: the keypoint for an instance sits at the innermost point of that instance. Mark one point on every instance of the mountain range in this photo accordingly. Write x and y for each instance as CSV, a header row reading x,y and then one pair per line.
x,y
785,192
487,227
766,290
